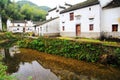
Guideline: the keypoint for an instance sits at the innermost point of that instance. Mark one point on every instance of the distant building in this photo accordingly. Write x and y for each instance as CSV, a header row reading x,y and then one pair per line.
x,y
48,28
0,23
17,26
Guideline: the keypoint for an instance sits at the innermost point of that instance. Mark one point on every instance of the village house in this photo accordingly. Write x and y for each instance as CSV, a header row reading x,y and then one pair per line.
x,y
81,20
17,26
110,20
48,28
51,26
89,20
0,23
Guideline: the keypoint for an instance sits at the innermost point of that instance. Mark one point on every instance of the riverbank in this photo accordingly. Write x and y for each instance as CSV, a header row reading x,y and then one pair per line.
x,y
85,51
71,69
3,74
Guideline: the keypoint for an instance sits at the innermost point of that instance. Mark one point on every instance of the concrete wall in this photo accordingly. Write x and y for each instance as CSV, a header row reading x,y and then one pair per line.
x,y
109,17
85,13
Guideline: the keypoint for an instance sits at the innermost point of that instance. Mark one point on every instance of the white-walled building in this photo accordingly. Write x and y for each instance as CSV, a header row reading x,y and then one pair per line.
x,y
91,20
110,22
16,26
0,23
55,12
82,20
48,28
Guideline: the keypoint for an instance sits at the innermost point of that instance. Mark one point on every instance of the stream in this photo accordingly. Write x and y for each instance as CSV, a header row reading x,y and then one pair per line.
x,y
28,64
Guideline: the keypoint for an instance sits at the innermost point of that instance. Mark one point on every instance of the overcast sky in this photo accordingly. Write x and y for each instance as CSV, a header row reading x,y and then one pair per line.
x,y
52,3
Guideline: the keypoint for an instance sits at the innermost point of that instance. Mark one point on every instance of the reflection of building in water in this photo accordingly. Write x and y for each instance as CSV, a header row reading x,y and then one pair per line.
x,y
2,52
34,70
9,52
13,50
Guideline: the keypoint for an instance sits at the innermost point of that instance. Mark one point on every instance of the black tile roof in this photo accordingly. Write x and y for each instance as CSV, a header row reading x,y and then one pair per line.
x,y
52,9
68,4
41,23
81,5
113,4
56,8
18,21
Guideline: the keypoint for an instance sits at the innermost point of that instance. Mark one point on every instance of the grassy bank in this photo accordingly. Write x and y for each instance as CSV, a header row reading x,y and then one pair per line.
x,y
3,74
90,52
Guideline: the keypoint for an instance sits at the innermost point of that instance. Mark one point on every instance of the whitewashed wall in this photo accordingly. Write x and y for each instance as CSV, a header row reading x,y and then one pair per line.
x,y
53,14
85,13
13,27
109,17
16,29
50,28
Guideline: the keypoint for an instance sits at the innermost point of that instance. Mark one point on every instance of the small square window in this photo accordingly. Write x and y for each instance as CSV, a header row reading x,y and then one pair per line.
x,y
89,9
18,25
114,27
91,27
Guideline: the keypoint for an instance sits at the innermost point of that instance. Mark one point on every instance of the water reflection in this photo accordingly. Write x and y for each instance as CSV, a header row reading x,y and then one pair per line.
x,y
23,69
35,70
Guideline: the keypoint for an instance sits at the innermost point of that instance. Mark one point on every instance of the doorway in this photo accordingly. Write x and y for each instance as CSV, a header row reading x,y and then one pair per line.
x,y
78,30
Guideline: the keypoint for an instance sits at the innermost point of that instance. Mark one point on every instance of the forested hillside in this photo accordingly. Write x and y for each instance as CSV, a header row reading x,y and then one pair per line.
x,y
15,11
21,3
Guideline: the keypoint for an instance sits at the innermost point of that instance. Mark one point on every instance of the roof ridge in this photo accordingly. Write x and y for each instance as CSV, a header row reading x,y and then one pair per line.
x,y
81,5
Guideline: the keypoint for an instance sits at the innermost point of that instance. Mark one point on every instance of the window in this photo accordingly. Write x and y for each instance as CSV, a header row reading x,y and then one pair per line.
x,y
114,27
89,9
18,25
57,10
71,16
63,28
91,27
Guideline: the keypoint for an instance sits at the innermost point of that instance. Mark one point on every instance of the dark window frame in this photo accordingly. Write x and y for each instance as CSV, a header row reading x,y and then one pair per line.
x,y
72,16
91,27
114,27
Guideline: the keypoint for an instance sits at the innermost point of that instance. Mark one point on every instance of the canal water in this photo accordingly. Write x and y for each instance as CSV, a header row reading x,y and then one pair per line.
x,y
27,64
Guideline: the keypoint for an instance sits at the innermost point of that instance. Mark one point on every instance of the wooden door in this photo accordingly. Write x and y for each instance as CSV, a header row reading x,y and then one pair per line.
x,y
78,30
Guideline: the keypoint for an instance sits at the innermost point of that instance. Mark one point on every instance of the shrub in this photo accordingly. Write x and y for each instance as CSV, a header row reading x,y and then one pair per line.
x,y
89,52
3,75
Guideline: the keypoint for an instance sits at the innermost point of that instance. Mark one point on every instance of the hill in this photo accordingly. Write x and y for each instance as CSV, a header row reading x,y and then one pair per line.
x,y
21,3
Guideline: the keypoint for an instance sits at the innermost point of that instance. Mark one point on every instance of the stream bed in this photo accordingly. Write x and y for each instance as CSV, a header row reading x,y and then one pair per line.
x,y
30,64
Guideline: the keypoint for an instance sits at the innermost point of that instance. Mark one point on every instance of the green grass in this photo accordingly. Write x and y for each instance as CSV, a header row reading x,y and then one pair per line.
x,y
87,40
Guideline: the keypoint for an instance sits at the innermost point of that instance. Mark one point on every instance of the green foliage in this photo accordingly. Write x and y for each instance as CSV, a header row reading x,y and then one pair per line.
x,y
117,53
21,3
3,75
82,51
11,10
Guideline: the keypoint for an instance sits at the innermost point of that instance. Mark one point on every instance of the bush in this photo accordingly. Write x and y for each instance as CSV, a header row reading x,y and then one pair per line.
x,y
89,52
3,75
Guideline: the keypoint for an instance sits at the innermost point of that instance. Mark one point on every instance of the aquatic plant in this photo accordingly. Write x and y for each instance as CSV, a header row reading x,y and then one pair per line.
x,y
89,52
